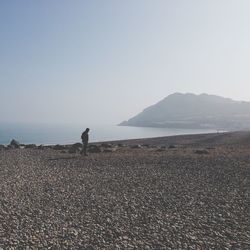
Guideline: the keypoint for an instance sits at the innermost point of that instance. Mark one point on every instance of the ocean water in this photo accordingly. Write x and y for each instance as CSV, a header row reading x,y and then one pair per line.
x,y
68,133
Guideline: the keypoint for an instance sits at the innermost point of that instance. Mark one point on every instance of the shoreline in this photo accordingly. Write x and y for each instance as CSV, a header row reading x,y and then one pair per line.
x,y
128,140
50,135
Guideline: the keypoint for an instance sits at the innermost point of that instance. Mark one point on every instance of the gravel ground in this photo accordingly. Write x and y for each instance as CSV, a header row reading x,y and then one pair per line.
x,y
132,198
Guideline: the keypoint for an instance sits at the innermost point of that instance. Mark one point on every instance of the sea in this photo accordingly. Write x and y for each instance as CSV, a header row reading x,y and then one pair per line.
x,y
49,134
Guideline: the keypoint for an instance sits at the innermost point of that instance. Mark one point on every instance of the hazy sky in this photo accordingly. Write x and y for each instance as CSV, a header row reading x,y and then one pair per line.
x,y
104,61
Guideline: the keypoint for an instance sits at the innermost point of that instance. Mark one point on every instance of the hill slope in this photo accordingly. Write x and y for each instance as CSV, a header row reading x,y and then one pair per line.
x,y
194,111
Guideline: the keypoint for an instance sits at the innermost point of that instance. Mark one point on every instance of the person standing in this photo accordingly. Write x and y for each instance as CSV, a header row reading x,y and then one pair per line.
x,y
85,140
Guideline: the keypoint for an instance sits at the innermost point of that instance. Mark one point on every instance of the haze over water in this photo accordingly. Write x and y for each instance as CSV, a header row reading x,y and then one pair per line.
x,y
102,62
63,134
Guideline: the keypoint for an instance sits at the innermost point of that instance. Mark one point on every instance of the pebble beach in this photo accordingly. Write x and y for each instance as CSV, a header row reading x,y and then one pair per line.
x,y
178,192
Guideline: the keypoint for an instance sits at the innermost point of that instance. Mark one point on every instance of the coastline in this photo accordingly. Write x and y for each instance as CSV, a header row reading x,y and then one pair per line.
x,y
47,134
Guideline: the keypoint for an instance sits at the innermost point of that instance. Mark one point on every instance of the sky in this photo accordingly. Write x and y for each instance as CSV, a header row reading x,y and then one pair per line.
x,y
102,62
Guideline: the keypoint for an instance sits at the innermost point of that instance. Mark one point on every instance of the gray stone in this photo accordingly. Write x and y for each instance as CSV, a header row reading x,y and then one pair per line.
x,y
136,146
201,151
14,143
77,145
40,147
109,150
94,149
58,147
30,146
106,145
160,150
73,150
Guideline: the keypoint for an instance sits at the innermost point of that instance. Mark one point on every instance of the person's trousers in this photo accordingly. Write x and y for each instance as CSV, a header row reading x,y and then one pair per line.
x,y
84,147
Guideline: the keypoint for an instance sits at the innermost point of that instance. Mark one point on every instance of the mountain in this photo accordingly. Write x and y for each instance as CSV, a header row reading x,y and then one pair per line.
x,y
194,111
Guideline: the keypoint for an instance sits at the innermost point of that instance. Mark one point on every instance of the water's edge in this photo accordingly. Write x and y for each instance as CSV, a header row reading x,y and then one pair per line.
x,y
68,134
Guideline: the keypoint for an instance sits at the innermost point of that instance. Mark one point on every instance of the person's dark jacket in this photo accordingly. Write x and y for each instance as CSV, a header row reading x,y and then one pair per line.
x,y
85,136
